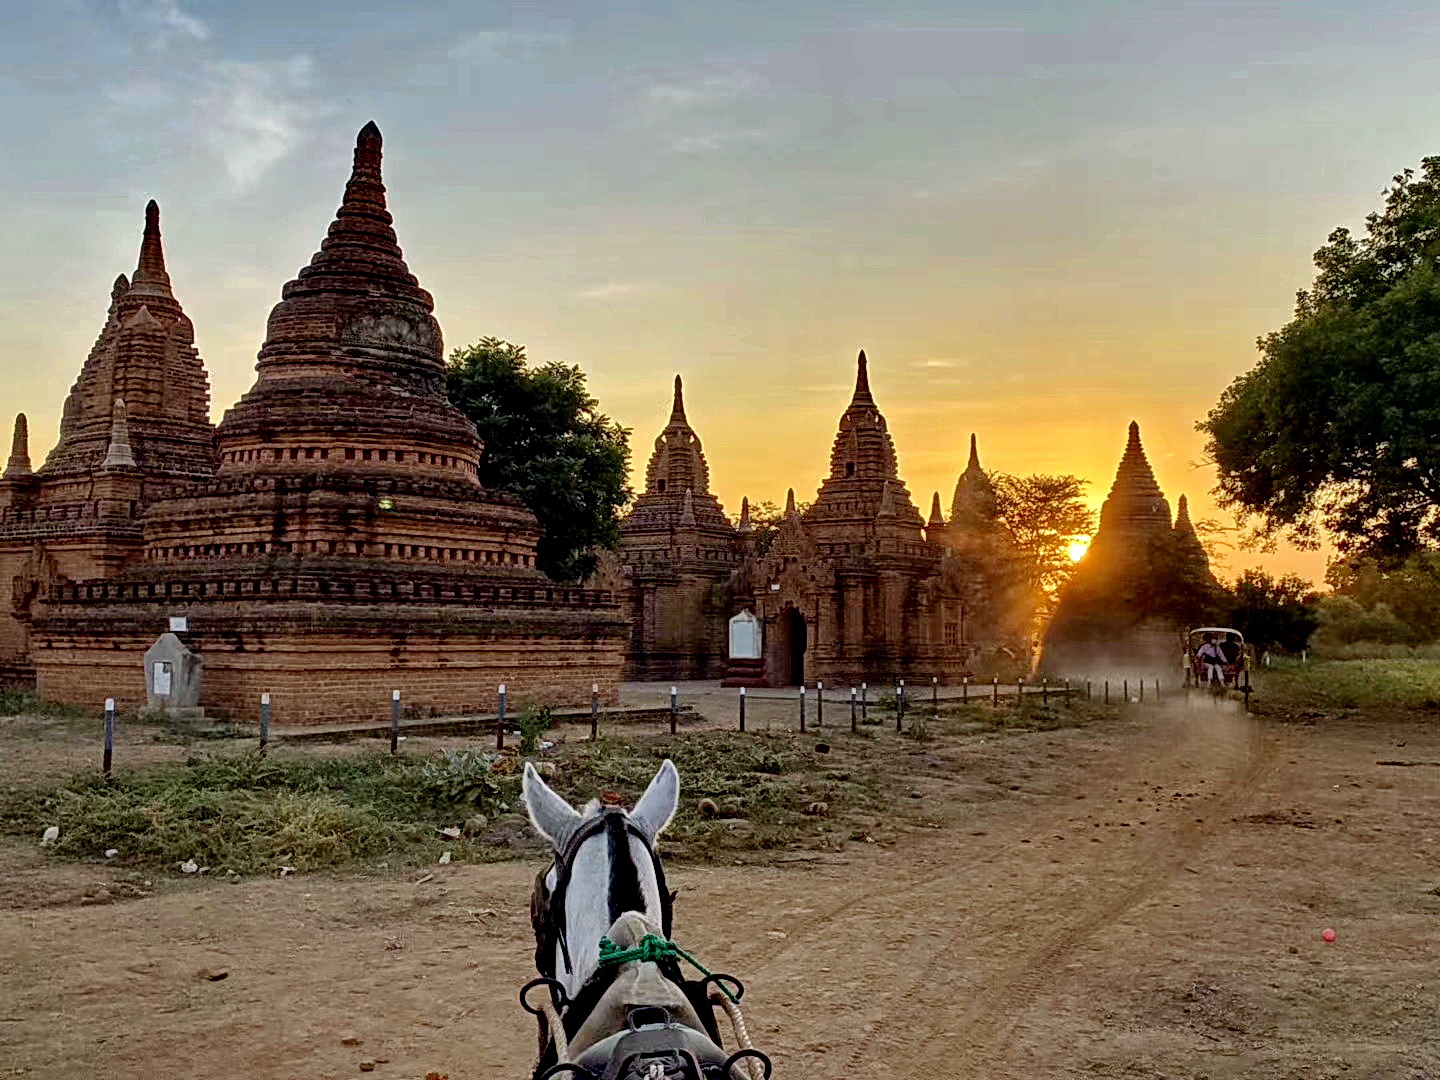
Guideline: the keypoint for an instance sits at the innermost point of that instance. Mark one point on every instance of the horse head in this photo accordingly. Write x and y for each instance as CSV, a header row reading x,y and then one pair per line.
x,y
605,866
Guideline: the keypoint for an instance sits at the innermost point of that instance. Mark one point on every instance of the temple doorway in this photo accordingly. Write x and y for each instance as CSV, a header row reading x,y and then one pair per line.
x,y
795,640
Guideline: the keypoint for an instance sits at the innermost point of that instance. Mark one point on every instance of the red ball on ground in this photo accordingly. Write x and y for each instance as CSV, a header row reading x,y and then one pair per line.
x,y
1327,934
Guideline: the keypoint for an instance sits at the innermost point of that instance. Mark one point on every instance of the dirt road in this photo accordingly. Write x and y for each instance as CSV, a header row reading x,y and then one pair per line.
x,y
1147,902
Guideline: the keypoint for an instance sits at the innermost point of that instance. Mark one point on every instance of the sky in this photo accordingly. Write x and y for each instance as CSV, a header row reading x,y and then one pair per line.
x,y
1040,220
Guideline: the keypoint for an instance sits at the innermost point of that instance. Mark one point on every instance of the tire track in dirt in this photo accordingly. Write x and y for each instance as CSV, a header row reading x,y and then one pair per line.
x,y
885,1037
986,1028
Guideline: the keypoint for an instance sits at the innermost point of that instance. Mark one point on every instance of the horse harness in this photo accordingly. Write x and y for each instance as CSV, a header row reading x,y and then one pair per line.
x,y
547,906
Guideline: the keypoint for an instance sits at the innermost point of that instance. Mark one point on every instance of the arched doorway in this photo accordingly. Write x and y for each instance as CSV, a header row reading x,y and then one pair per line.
x,y
796,638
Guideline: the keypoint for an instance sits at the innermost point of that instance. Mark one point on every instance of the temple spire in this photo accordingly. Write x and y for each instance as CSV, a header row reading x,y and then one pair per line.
x,y
151,277
119,455
974,506
677,410
936,519
1182,517
19,464
746,525
790,502
862,382
1135,503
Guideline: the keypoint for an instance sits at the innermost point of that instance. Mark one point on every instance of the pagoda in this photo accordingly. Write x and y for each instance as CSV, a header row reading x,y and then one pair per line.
x,y
1143,578
342,546
857,587
676,545
135,422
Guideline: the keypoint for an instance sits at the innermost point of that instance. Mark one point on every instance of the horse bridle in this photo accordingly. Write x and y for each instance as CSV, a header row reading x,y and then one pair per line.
x,y
547,906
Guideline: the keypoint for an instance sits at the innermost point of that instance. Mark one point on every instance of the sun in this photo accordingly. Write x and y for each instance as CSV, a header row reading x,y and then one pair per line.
x,y
1078,547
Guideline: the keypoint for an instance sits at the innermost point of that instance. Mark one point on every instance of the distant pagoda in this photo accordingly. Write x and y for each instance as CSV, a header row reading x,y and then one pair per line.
x,y
1143,580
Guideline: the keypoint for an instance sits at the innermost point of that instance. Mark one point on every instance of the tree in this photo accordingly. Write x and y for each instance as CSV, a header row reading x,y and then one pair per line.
x,y
1274,612
1044,515
767,517
1337,428
547,442
1390,604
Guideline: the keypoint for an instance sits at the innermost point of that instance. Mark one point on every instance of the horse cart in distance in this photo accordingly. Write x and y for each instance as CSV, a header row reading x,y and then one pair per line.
x,y
1216,656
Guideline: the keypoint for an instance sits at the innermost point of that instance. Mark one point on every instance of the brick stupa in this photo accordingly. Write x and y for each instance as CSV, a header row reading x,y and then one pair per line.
x,y
1143,579
344,545
677,546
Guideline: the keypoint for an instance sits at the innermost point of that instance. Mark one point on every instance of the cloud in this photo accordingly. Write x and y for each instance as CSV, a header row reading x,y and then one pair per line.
x,y
250,114
617,290
704,109
507,44
160,24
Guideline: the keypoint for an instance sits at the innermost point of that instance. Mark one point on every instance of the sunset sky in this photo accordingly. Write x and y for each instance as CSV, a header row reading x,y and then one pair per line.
x,y
1041,221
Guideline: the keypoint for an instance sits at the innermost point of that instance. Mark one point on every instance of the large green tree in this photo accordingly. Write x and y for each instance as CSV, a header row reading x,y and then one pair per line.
x,y
1337,428
547,442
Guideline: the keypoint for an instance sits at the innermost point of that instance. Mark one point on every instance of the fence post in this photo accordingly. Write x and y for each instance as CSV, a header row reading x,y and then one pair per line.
x,y
1157,690
802,708
500,721
1142,689
394,721
1044,691
819,703
854,722
935,694
742,708
1019,691
1107,691
900,705
965,690
264,723
674,709
1125,691
995,691
109,755
864,705
594,711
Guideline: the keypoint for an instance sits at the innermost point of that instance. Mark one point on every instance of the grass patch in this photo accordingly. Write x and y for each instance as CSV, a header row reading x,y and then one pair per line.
x,y
249,814
24,703
1352,684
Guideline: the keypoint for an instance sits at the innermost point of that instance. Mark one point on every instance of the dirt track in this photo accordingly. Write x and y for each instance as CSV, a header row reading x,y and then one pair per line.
x,y
1148,903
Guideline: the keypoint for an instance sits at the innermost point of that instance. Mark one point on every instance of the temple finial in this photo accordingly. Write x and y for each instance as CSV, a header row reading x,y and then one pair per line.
x,y
119,454
19,464
150,275
366,185
1182,516
790,502
974,462
677,410
745,525
862,381
935,516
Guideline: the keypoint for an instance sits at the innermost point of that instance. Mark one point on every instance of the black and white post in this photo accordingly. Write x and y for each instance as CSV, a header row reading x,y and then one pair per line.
x,y
819,703
264,723
854,721
802,708
594,711
674,709
109,755
394,721
500,721
742,708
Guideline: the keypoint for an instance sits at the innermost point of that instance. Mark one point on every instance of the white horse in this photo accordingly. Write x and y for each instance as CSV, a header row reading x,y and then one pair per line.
x,y
631,1011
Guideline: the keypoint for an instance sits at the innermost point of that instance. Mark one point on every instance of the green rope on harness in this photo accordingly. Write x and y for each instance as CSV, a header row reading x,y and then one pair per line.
x,y
652,949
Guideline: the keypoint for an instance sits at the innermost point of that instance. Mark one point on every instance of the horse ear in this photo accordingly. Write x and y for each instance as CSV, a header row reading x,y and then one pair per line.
x,y
660,801
554,818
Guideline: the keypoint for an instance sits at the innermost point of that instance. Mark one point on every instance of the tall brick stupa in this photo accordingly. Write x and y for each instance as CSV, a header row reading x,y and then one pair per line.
x,y
343,545
1143,579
